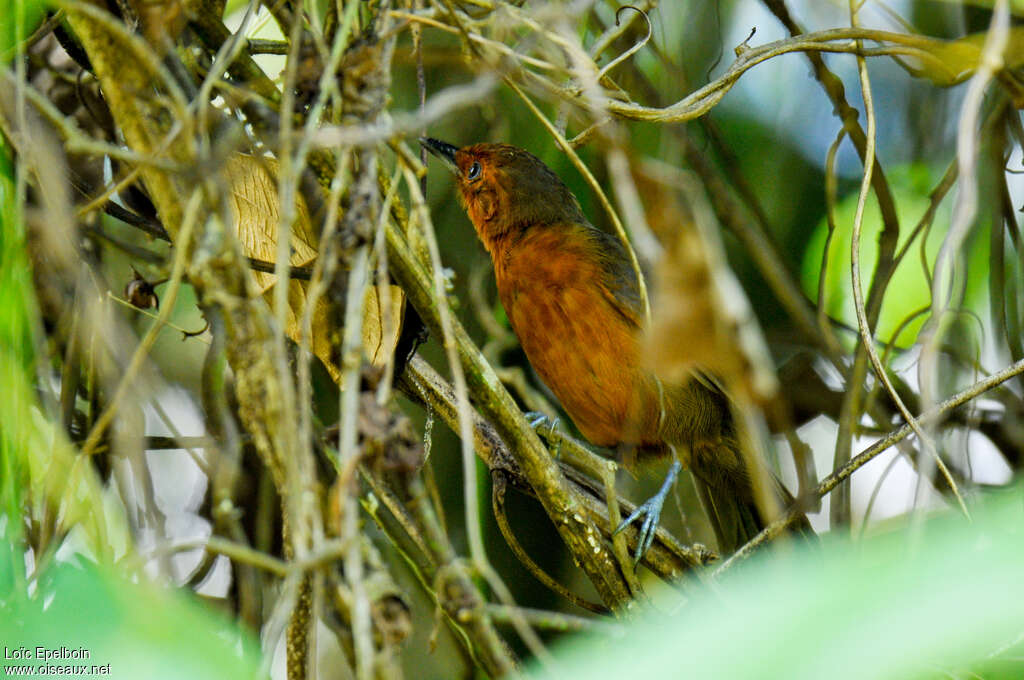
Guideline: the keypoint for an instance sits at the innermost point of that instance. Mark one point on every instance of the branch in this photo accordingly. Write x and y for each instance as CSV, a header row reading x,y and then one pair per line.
x,y
667,557
703,100
864,457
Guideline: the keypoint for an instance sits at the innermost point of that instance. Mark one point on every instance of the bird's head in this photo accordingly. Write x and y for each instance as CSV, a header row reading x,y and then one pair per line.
x,y
505,189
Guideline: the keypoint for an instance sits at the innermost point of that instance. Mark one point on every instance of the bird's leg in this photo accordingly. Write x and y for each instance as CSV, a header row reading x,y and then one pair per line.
x,y
651,512
582,458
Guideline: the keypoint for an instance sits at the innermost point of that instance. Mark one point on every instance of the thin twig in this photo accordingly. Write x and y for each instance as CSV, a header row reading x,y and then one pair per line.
x,y
498,501
867,338
192,213
867,455
475,534
966,205
555,621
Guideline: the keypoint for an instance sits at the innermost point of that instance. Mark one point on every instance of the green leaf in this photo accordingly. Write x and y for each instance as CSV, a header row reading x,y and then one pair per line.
x,y
16,307
92,615
909,290
941,599
17,21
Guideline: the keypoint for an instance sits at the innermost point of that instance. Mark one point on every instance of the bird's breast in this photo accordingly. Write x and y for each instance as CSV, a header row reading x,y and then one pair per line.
x,y
584,350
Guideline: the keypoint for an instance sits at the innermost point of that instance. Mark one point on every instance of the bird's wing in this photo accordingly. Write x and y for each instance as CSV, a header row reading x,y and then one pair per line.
x,y
622,291
620,285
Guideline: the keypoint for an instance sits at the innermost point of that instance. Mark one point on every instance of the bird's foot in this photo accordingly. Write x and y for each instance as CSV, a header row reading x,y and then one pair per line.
x,y
545,427
651,512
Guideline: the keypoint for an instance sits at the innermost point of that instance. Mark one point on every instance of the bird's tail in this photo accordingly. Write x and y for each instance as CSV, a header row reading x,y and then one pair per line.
x,y
735,516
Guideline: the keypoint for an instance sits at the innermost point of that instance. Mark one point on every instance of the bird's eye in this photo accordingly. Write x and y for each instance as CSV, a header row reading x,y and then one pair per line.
x,y
474,172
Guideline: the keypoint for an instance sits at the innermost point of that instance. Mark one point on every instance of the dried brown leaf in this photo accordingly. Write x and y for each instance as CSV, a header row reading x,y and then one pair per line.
x,y
701,320
254,201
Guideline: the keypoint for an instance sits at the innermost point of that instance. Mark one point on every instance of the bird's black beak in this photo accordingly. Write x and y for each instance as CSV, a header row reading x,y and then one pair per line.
x,y
443,150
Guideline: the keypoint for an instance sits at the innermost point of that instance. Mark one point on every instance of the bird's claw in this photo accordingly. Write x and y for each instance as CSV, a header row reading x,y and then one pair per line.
x,y
539,421
650,510
536,419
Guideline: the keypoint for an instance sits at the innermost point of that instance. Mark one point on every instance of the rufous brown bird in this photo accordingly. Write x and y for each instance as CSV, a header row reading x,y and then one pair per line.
x,y
573,300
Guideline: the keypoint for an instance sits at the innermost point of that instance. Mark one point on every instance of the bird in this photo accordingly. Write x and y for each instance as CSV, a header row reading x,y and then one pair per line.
x,y
573,299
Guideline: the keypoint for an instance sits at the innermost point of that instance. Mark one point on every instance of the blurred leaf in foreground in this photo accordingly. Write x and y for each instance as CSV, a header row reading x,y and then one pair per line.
x,y
141,631
939,599
133,630
17,21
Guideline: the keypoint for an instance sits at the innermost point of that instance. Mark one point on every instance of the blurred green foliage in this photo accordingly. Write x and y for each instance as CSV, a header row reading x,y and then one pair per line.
x,y
16,333
136,630
17,18
140,630
903,309
940,598
911,186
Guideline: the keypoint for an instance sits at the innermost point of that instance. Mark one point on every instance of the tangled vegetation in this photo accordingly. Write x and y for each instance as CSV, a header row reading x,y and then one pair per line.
x,y
235,302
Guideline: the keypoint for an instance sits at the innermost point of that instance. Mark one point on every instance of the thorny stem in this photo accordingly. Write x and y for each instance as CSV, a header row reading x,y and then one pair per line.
x,y
348,458
358,280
